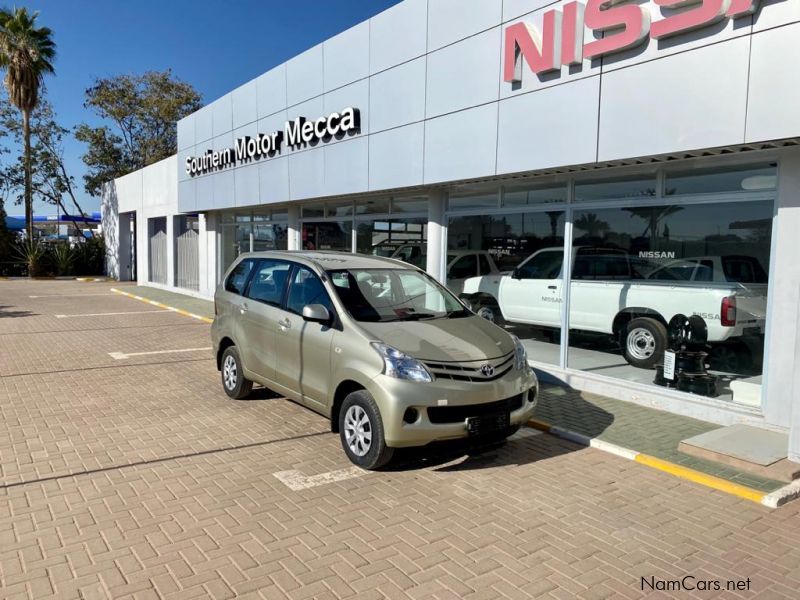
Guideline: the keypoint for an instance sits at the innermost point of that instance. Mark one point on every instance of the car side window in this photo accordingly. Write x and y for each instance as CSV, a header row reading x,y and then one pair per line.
x,y
238,277
307,289
486,268
466,266
545,265
269,282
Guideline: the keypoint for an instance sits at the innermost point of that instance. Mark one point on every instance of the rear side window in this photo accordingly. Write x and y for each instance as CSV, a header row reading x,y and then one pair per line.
x,y
269,282
486,268
466,266
237,280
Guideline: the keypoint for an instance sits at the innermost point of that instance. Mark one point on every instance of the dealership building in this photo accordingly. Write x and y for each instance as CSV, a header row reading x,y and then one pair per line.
x,y
589,154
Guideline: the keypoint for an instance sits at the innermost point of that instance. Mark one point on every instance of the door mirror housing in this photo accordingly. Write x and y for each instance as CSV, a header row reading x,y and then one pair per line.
x,y
515,274
316,313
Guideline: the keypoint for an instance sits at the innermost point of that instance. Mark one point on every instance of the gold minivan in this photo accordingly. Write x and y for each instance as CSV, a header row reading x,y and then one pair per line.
x,y
390,356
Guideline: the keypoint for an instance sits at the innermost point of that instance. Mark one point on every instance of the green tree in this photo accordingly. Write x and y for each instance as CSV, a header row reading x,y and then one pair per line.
x,y
50,180
143,111
26,53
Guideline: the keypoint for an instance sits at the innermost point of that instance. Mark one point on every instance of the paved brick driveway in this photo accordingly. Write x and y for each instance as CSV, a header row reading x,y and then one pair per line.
x,y
136,477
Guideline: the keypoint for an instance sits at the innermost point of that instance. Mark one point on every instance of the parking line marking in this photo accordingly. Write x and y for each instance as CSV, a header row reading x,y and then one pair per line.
x,y
296,480
134,312
158,304
124,355
70,295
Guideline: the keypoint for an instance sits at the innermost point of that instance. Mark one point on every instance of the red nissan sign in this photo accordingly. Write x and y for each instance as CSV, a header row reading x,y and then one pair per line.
x,y
621,23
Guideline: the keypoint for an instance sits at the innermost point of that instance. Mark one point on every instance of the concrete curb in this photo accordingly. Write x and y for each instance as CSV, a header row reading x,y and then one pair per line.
x,y
159,305
770,500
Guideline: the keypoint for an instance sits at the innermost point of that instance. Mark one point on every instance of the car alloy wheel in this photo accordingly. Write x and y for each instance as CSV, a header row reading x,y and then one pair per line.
x,y
230,373
357,430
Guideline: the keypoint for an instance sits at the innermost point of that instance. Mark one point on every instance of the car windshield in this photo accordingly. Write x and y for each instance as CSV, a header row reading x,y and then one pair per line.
x,y
386,295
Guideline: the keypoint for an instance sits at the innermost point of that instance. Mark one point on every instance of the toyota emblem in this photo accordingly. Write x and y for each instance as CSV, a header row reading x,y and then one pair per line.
x,y
487,370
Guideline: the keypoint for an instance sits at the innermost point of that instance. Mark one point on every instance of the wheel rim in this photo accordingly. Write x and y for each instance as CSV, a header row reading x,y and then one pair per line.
x,y
486,312
229,372
641,344
357,430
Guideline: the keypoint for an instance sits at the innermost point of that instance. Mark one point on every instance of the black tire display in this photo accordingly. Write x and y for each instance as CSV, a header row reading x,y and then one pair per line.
x,y
361,431
644,342
233,380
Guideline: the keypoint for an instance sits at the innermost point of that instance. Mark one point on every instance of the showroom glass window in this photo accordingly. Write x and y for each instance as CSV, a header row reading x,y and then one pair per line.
x,y
512,241
692,242
399,232
263,229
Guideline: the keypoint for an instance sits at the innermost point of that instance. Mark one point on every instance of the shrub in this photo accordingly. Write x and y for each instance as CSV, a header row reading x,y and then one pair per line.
x,y
90,256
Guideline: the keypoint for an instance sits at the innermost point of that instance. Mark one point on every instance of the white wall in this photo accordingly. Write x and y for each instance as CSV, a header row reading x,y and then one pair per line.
x,y
153,192
427,76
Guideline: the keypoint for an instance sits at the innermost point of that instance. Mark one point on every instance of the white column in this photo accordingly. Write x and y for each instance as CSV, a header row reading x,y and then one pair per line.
x,y
202,254
436,236
781,382
171,250
293,234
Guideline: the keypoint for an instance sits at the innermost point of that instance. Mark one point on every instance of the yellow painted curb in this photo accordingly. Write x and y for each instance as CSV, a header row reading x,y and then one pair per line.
x,y
722,485
716,483
159,305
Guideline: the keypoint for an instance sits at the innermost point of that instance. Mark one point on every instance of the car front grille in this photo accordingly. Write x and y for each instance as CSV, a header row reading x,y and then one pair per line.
x,y
457,414
471,371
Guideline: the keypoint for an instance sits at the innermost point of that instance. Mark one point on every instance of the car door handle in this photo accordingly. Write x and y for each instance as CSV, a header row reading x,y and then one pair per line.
x,y
552,287
285,323
243,309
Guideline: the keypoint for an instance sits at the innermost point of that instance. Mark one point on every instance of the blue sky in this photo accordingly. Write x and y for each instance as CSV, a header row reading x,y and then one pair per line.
x,y
214,45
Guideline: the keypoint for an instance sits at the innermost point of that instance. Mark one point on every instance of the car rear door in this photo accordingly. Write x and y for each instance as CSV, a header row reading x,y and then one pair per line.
x,y
260,315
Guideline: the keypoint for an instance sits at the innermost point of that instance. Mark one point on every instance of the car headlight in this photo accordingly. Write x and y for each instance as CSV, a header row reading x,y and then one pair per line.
x,y
400,365
520,354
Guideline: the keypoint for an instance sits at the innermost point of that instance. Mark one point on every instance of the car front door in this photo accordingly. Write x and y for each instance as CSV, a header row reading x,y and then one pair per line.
x,y
460,270
304,356
532,294
260,315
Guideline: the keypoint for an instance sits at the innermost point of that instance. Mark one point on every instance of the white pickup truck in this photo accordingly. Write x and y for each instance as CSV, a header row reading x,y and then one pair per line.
x,y
612,294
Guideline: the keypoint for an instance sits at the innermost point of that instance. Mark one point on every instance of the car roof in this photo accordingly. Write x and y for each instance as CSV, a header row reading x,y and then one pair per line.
x,y
331,261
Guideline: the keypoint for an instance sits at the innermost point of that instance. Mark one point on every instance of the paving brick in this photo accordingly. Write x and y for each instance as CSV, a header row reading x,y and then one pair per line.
x,y
161,486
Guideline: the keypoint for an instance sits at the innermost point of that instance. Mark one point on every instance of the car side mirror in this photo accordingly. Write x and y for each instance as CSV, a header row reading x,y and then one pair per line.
x,y
515,274
316,313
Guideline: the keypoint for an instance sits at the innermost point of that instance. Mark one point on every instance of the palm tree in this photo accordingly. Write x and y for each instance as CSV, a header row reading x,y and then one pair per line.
x,y
26,53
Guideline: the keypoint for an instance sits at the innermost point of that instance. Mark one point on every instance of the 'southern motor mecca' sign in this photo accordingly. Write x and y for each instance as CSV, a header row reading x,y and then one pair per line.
x,y
296,134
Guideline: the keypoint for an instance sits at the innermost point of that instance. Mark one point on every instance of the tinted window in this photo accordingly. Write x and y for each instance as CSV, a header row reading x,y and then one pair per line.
x,y
466,266
269,282
306,289
545,265
486,268
591,264
743,269
238,277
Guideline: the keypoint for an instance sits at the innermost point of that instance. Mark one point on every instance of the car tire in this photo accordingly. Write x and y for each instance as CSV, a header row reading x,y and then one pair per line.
x,y
490,311
361,432
233,380
644,342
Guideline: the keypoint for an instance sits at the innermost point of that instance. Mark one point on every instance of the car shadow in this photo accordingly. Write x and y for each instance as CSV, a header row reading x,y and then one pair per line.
x,y
559,406
260,393
7,312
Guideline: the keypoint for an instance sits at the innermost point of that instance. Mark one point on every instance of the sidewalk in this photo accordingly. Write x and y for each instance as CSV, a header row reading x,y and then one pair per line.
x,y
646,430
638,428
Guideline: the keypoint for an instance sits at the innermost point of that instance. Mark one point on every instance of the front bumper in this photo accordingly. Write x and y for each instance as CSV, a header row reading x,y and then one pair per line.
x,y
452,402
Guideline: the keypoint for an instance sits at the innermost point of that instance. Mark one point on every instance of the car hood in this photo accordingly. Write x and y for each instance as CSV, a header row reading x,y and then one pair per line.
x,y
445,340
